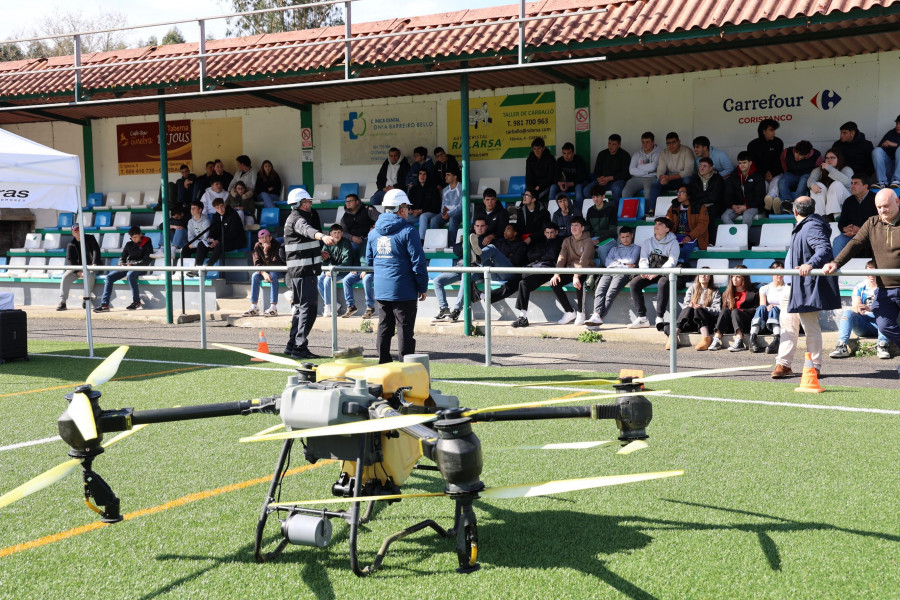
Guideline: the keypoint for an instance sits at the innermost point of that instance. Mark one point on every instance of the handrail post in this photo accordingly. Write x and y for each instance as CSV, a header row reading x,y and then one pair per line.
x,y
673,307
487,316
334,336
347,45
202,274
202,48
77,67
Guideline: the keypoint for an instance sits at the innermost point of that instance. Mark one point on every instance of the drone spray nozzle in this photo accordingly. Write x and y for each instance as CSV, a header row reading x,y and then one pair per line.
x,y
634,414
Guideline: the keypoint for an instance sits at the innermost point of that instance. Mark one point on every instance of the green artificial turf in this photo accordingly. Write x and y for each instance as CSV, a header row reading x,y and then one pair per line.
x,y
776,501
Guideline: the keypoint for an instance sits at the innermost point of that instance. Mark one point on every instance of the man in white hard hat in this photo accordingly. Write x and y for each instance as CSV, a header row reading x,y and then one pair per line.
x,y
303,249
394,249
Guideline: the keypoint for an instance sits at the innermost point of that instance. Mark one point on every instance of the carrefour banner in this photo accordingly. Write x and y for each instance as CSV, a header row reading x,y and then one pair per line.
x,y
368,132
138,147
504,126
808,103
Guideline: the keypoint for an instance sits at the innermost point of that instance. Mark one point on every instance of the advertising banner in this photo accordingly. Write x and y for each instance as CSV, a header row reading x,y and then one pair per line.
x,y
138,147
368,132
807,104
504,126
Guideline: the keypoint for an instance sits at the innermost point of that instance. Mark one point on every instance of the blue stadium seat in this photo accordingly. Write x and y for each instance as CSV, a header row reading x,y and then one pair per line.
x,y
94,200
102,219
438,262
516,188
347,188
64,221
758,263
269,218
155,238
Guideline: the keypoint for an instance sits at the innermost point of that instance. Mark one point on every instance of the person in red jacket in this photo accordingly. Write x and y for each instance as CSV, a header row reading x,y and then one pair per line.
x,y
136,253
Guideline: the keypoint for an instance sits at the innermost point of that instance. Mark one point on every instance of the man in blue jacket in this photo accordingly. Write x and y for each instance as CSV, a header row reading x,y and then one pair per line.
x,y
394,250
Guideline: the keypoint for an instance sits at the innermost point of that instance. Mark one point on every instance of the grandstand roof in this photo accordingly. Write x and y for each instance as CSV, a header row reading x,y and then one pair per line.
x,y
631,38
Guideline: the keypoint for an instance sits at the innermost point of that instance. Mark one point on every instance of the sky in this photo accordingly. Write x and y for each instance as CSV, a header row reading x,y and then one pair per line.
x,y
20,18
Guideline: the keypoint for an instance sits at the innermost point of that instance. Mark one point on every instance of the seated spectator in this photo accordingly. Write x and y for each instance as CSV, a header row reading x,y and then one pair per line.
x,y
691,222
243,173
562,218
765,152
391,175
745,192
798,162
443,162
341,254
855,149
368,281
611,169
226,233
660,251
425,203
268,185
624,255
884,157
204,182
420,162
572,176
577,252
702,304
241,199
708,189
855,211
184,187
444,279
739,304
675,168
531,219
507,251
221,175
451,207
215,191
177,223
767,315
721,162
135,253
860,319
602,219
540,170
542,252
196,230
73,257
265,254
493,214
829,184
358,220
642,168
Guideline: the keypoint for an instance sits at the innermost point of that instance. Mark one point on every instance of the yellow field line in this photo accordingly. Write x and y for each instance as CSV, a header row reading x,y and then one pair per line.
x,y
62,387
195,497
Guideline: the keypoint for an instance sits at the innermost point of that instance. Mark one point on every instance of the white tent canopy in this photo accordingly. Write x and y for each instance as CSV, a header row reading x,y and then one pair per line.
x,y
35,176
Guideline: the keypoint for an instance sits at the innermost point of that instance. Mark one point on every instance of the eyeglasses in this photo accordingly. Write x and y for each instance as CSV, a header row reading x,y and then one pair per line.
x,y
681,192
831,158
527,196
671,142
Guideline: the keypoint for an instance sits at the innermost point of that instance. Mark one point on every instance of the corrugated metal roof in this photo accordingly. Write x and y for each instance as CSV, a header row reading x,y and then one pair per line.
x,y
637,38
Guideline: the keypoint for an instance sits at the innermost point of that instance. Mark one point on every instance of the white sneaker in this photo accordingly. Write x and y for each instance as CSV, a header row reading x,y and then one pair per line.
x,y
251,313
883,351
594,320
716,344
272,312
567,318
639,323
580,320
326,311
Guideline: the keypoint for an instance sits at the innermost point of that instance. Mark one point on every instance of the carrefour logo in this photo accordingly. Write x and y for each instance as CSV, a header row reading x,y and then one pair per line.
x,y
828,99
355,125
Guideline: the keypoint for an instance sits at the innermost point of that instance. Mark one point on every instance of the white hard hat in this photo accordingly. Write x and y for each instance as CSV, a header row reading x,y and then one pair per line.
x,y
297,196
395,199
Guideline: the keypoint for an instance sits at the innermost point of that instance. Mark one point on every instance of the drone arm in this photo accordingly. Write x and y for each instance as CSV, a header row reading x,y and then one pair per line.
x,y
126,418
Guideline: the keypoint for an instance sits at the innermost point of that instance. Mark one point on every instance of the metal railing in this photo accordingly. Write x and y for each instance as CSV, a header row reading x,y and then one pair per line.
x,y
673,275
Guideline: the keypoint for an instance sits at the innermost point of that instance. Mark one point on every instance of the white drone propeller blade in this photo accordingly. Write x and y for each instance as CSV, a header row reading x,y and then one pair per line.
x,y
358,499
571,382
370,426
83,416
123,435
564,400
43,480
570,485
668,376
567,445
634,447
272,358
107,369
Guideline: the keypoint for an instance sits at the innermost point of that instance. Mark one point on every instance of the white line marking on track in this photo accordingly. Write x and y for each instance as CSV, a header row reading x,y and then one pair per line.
x,y
169,362
48,440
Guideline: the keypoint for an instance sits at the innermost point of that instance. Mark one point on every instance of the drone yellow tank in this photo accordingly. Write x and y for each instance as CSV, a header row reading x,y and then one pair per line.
x,y
395,375
340,367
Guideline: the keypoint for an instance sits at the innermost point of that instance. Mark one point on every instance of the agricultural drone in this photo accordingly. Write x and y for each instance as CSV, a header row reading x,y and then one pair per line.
x,y
379,421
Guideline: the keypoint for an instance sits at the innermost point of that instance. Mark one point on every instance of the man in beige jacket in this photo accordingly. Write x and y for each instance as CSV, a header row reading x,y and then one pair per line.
x,y
577,252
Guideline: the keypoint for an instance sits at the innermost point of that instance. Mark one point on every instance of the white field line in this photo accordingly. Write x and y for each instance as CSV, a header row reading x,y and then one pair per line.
x,y
169,362
48,440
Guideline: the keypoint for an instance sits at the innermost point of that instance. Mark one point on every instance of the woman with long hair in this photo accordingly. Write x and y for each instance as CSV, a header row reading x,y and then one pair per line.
x,y
768,312
702,304
739,303
268,184
829,184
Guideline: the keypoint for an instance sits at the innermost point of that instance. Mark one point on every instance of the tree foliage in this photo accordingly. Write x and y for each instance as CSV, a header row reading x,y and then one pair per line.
x,y
275,22
66,23
10,52
173,36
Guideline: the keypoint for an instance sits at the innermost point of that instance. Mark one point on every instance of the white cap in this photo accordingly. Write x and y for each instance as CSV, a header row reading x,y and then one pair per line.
x,y
297,196
395,199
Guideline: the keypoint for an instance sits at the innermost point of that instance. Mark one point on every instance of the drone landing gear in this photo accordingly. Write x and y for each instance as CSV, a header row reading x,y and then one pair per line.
x,y
95,487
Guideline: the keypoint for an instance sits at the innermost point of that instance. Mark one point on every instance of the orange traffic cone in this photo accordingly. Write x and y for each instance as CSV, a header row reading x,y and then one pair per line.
x,y
262,346
810,381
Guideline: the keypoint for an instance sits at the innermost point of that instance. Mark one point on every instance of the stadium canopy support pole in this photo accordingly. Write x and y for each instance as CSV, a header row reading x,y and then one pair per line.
x,y
164,199
464,192
583,138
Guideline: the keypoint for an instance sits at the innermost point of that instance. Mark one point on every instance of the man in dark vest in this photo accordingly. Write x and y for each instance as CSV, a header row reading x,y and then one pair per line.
x,y
302,246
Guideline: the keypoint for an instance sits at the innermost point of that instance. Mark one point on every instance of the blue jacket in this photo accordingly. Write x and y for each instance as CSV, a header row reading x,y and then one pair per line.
x,y
395,251
810,244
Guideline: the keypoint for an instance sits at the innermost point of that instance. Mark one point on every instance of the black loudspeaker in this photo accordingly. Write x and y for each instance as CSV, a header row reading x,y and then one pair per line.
x,y
13,335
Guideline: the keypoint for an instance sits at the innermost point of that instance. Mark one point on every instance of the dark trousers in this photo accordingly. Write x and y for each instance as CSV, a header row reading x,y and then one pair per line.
x,y
734,320
304,307
509,287
209,255
401,314
637,285
886,307
528,285
564,299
